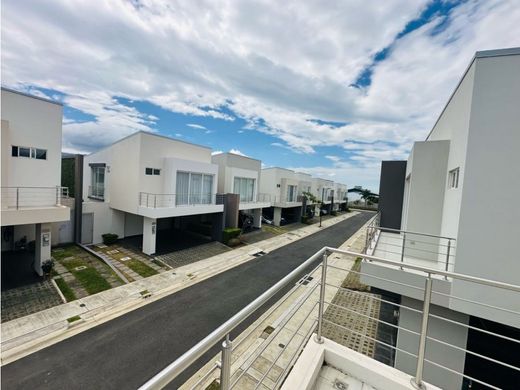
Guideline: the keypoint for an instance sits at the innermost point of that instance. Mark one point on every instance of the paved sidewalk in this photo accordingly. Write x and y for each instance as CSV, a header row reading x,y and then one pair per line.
x,y
31,333
265,351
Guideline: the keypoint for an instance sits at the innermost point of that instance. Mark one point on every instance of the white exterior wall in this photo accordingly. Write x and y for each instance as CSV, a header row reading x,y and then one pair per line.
x,y
231,166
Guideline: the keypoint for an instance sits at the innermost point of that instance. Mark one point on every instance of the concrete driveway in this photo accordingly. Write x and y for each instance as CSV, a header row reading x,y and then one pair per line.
x,y
127,351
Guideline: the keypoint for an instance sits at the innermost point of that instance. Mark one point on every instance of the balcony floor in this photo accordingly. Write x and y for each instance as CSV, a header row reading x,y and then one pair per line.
x,y
330,378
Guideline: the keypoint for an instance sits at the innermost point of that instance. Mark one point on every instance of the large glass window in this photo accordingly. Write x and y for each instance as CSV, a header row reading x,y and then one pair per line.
x,y
97,187
194,188
245,187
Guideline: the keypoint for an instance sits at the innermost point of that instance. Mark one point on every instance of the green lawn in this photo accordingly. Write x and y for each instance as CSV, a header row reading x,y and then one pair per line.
x,y
65,290
140,268
91,280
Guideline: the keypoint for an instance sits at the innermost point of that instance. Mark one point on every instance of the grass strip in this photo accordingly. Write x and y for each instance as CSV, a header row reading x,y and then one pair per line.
x,y
67,292
140,268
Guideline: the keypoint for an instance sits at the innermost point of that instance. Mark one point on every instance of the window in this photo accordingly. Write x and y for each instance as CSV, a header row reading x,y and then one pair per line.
x,y
193,188
22,151
152,171
245,187
453,178
97,180
291,193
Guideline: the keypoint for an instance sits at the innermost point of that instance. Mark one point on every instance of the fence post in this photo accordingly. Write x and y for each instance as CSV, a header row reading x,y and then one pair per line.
x,y
448,250
321,307
17,197
417,381
225,367
402,248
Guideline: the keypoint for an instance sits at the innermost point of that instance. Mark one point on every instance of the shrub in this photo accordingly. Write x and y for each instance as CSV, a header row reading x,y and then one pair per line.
x,y
230,233
233,242
306,219
334,213
109,238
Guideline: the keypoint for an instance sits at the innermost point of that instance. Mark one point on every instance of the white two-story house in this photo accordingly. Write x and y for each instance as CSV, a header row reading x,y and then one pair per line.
x,y
241,175
340,196
323,190
281,185
31,173
147,184
460,214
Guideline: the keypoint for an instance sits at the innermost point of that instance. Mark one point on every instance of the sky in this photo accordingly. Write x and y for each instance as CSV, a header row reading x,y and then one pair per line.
x,y
328,88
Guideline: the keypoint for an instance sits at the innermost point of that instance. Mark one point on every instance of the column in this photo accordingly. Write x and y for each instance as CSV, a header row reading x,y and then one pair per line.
x,y
149,235
277,216
42,246
257,218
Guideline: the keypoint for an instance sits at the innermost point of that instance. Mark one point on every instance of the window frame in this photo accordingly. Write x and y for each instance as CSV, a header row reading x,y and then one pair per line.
x,y
33,152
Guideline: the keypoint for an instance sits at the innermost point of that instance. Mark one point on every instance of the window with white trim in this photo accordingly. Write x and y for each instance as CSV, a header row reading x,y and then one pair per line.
x,y
453,178
193,188
152,171
97,182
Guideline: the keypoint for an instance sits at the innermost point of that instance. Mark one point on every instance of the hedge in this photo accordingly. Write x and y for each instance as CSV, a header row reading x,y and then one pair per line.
x,y
229,233
109,238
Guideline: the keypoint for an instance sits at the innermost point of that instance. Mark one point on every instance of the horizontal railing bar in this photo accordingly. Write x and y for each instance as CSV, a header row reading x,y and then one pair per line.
x,y
271,336
400,239
409,258
378,298
369,337
414,249
473,353
462,375
410,232
373,318
384,279
273,309
178,366
476,328
487,282
476,303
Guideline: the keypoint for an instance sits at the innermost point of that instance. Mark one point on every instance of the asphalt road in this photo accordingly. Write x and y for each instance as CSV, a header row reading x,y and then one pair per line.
x,y
125,352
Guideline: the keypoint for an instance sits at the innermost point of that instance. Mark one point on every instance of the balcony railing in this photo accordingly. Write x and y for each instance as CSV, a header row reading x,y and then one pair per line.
x,y
175,200
408,246
15,198
324,314
259,198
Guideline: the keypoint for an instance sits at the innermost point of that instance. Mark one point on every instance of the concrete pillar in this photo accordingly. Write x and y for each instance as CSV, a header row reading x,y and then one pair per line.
x,y
217,226
257,218
42,246
231,210
277,216
149,235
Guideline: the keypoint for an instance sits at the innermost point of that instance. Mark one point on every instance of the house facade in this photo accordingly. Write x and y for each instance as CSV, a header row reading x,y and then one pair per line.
x,y
456,219
32,199
146,184
241,175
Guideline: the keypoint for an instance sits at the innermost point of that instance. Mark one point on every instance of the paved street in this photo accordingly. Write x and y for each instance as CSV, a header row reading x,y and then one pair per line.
x,y
125,352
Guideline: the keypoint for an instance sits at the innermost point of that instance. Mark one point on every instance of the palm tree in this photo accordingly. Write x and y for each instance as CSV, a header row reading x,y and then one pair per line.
x,y
366,195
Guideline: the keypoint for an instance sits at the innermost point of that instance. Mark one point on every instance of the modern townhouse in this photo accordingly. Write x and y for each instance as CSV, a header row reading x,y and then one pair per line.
x,y
339,197
305,188
459,214
281,185
31,177
323,190
153,188
241,175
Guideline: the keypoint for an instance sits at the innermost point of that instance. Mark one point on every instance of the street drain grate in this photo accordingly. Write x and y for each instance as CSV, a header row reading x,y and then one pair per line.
x,y
305,280
259,253
126,258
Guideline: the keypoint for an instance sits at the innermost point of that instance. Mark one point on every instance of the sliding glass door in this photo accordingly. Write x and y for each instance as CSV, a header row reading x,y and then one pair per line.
x,y
194,188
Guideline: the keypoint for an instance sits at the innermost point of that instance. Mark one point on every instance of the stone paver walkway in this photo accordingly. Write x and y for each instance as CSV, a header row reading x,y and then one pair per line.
x,y
187,256
22,301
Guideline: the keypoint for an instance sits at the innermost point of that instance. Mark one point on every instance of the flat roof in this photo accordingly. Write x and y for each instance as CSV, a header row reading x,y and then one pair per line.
x,y
479,54
149,134
32,96
239,155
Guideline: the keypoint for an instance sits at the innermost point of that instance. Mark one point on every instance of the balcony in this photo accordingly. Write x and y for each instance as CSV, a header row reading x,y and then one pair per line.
x,y
259,201
172,205
328,336
287,201
26,205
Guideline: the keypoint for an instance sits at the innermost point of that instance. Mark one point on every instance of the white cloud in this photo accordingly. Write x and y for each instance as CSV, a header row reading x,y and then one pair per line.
x,y
236,151
195,126
215,152
278,67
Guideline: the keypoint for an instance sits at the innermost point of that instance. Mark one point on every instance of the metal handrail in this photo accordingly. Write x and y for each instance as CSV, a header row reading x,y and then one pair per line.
x,y
410,232
32,196
178,366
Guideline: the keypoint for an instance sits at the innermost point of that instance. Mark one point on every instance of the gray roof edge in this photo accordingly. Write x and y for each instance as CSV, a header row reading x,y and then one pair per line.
x,y
32,96
239,155
479,54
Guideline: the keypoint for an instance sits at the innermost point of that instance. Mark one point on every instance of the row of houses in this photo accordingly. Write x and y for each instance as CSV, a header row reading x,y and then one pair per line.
x,y
144,185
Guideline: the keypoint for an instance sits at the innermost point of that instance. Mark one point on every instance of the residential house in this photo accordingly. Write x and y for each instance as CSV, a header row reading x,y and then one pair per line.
x,y
153,188
31,169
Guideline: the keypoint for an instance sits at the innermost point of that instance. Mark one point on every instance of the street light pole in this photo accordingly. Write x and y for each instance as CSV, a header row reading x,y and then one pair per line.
x,y
321,204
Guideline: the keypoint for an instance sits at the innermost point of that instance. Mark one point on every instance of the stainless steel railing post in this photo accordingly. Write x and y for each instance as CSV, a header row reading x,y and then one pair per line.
x,y
402,248
448,256
17,197
417,381
225,366
321,306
